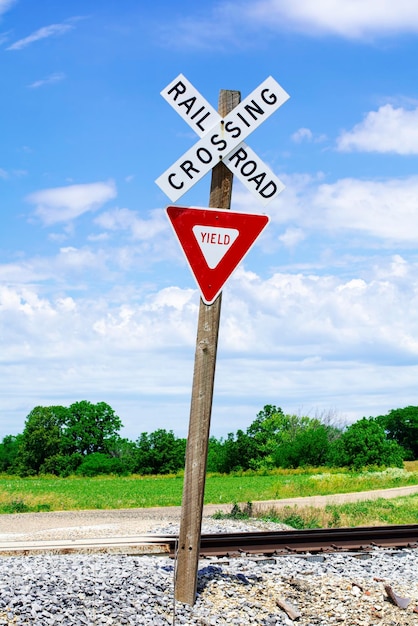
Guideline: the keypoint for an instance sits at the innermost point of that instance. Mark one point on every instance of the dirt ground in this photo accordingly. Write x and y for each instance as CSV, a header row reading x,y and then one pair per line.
x,y
129,522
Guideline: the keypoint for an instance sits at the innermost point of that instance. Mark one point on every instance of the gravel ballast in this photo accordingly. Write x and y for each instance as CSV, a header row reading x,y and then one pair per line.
x,y
103,589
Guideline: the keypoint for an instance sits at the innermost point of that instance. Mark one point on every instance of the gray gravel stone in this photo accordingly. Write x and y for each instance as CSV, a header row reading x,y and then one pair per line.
x,y
111,589
95,590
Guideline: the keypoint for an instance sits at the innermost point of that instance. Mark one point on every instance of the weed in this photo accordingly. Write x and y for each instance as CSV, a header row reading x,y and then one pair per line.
x,y
298,521
335,519
43,508
236,512
16,506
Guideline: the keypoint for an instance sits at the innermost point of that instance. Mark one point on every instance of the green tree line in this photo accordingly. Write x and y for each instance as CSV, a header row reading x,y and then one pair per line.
x,y
84,439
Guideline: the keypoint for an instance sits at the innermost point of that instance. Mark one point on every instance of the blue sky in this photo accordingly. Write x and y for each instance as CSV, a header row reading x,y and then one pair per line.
x,y
96,299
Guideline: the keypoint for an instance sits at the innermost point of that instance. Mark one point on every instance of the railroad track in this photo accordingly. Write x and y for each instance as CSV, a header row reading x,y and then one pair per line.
x,y
319,540
212,545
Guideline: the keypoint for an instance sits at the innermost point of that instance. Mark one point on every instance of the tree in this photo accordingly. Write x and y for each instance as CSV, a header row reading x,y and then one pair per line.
x,y
9,450
401,425
364,443
233,454
98,463
265,432
309,446
216,456
41,438
90,428
273,432
159,453
62,464
123,449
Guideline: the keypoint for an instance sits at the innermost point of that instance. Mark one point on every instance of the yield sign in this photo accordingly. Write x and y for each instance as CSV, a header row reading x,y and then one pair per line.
x,y
214,241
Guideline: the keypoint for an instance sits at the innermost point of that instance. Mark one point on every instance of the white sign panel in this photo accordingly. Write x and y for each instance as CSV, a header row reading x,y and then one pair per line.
x,y
253,173
214,242
190,105
219,142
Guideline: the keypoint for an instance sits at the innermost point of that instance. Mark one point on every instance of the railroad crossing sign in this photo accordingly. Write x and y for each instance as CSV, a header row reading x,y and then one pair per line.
x,y
214,242
221,139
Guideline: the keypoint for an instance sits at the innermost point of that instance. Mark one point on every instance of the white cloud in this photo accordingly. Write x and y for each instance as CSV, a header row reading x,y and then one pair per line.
x,y
42,33
71,258
60,269
231,23
216,27
382,209
353,19
127,220
4,37
49,80
21,273
303,134
63,204
5,5
292,237
5,175
161,321
388,129
99,237
299,316
292,339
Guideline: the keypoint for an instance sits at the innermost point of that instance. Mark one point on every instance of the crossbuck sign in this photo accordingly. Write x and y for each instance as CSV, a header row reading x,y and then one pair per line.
x,y
222,139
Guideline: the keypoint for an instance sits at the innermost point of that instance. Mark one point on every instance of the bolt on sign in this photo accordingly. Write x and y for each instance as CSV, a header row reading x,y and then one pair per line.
x,y
222,139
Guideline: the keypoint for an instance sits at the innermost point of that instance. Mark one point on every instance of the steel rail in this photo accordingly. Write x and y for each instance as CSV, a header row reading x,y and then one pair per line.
x,y
212,545
317,540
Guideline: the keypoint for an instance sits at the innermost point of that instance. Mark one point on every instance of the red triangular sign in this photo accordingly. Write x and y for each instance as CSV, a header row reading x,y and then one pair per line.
x,y
214,241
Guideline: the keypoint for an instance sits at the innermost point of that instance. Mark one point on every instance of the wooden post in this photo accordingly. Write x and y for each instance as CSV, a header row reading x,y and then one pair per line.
x,y
201,402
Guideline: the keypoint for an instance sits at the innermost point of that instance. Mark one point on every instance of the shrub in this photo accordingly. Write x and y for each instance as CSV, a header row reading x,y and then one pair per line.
x,y
363,444
99,463
61,464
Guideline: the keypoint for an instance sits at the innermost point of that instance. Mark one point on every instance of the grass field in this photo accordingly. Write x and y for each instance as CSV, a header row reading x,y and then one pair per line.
x,y
378,512
49,493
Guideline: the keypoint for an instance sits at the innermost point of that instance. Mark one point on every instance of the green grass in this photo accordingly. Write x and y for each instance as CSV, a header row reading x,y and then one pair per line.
x,y
111,492
280,484
65,494
378,512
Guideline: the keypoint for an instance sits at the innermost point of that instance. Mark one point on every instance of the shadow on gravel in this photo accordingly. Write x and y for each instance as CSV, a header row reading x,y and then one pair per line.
x,y
208,574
